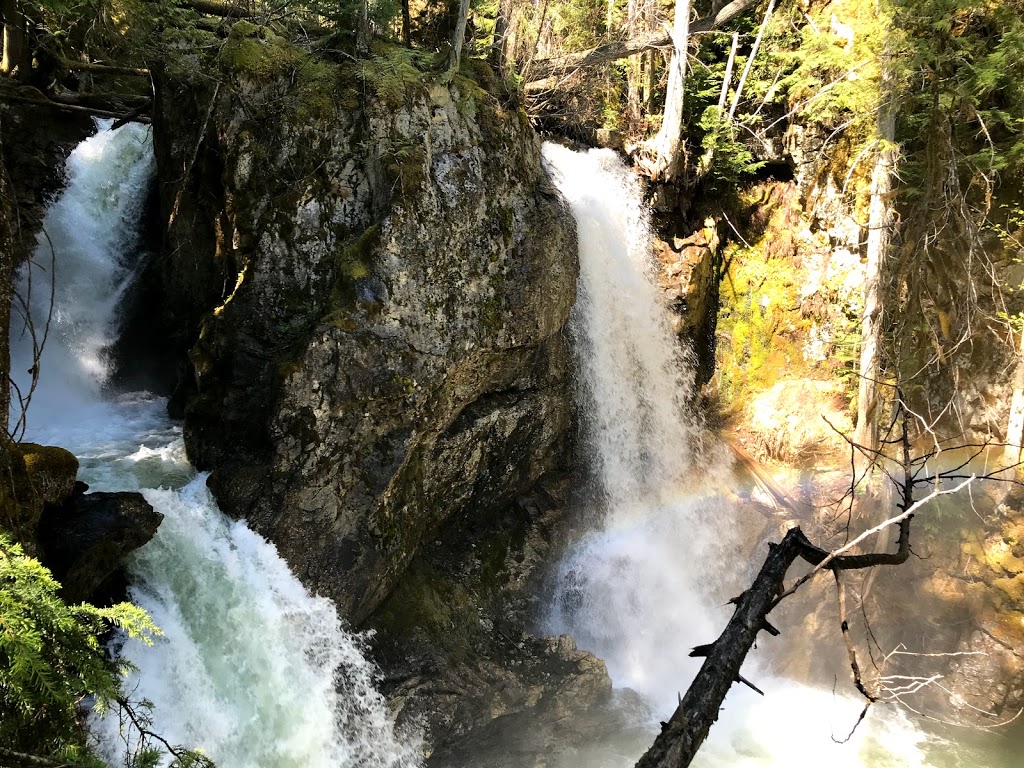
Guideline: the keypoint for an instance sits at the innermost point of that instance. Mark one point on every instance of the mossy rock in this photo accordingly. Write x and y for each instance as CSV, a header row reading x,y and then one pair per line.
x,y
52,471
34,476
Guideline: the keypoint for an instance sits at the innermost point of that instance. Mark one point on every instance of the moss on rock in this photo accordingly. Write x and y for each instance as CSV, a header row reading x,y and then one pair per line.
x,y
35,476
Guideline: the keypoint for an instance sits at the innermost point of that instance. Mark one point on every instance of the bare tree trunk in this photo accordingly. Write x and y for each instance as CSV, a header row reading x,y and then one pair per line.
x,y
458,37
750,60
545,68
668,144
15,58
8,235
879,224
727,78
1015,423
502,24
363,28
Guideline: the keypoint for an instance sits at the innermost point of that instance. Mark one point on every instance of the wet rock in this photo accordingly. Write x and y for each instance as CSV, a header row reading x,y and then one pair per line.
x,y
374,293
85,541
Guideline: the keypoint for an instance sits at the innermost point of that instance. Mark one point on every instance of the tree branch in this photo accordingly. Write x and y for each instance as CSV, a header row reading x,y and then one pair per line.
x,y
542,69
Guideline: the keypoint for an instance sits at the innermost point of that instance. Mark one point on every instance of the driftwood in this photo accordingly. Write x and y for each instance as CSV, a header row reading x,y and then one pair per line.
x,y
688,727
556,66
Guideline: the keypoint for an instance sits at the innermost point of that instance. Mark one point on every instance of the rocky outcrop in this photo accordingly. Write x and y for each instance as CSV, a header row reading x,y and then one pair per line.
x,y
86,539
374,290
462,661
36,477
82,538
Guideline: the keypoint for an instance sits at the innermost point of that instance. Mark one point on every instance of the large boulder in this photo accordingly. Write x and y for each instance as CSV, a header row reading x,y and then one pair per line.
x,y
86,540
371,275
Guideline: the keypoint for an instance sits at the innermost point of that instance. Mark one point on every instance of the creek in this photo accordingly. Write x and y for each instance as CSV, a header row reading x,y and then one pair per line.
x,y
664,554
250,667
260,673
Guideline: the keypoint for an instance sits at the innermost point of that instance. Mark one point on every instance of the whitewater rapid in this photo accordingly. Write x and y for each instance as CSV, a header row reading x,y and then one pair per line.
x,y
250,668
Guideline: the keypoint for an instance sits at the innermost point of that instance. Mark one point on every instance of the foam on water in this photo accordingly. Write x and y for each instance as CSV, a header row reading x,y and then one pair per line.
x,y
250,668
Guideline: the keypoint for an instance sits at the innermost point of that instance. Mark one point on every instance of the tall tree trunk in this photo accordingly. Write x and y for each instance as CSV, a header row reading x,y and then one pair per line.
x,y
363,28
458,37
15,58
1015,423
668,144
502,24
879,225
406,24
8,236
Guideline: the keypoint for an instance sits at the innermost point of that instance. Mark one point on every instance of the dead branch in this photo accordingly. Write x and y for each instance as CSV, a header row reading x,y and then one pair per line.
x,y
102,69
543,69
134,116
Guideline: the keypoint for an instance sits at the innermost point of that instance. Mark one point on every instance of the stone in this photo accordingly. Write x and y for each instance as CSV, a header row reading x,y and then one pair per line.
x,y
86,541
373,322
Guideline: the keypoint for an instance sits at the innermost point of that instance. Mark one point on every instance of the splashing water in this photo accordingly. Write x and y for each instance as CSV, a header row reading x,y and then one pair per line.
x,y
251,668
641,590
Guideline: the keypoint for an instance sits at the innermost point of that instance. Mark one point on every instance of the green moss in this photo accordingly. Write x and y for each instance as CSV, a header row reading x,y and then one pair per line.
x,y
407,170
353,258
33,475
257,53
47,459
312,98
393,72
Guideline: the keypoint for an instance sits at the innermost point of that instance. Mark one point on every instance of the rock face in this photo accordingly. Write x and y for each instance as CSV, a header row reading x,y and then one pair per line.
x,y
86,539
374,291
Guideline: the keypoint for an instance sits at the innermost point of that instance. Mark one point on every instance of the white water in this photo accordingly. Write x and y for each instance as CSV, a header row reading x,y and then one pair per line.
x,y
642,589
251,668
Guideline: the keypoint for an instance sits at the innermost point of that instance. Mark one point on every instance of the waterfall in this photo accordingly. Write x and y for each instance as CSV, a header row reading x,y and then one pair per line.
x,y
644,587
250,667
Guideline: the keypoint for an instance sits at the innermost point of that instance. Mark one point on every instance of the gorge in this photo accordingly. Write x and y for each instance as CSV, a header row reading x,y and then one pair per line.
x,y
499,430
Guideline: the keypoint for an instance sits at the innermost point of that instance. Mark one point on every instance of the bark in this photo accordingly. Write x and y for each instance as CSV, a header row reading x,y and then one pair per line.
x,y
686,730
407,25
8,236
458,36
750,59
1015,422
560,65
727,78
214,8
668,144
15,59
879,223
363,28
499,47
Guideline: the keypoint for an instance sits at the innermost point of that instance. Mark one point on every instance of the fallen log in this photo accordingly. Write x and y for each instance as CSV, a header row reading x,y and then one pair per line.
x,y
216,8
102,69
686,730
136,117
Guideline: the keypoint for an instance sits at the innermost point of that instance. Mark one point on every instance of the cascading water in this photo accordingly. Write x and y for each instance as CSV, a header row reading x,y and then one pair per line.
x,y
250,668
642,589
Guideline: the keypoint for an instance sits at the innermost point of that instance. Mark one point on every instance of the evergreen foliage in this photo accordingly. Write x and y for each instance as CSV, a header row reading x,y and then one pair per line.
x,y
50,657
